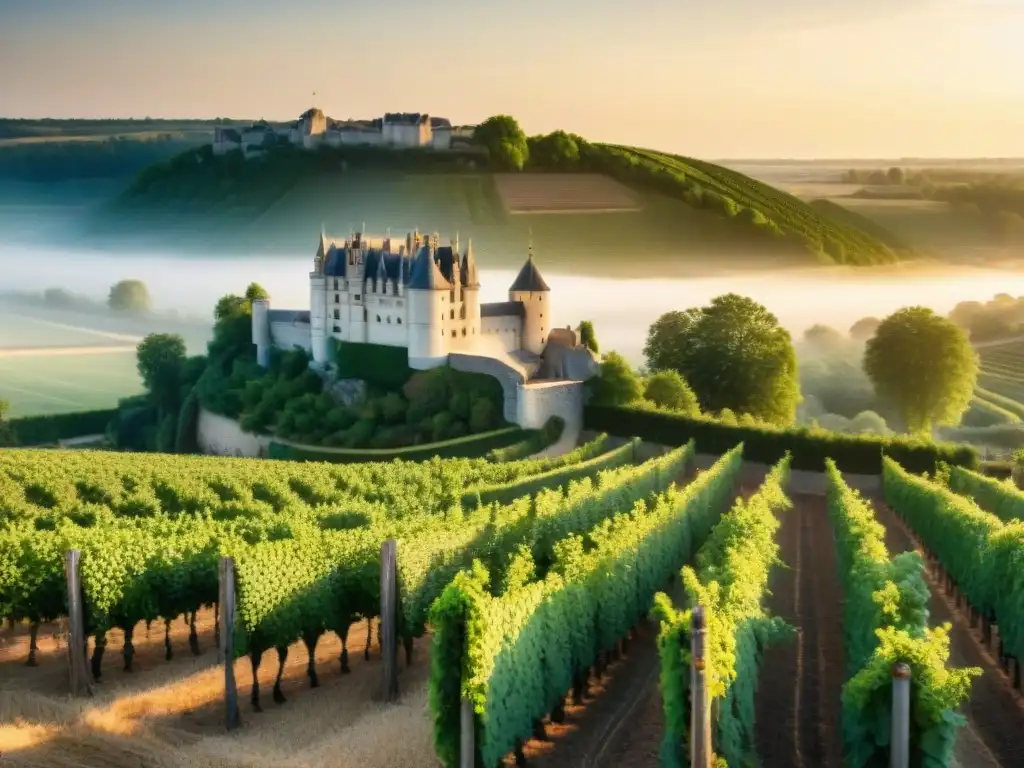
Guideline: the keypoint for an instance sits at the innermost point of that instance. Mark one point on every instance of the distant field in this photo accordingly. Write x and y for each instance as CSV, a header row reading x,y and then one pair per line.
x,y
60,383
563,193
197,136
999,396
19,331
65,361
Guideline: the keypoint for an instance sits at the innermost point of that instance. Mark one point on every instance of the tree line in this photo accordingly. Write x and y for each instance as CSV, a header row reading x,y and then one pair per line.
x,y
733,359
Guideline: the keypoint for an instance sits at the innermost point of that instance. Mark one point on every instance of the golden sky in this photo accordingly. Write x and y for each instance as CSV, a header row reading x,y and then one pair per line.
x,y
730,79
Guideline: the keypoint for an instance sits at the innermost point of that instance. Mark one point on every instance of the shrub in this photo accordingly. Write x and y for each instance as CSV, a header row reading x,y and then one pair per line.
x,y
768,444
38,430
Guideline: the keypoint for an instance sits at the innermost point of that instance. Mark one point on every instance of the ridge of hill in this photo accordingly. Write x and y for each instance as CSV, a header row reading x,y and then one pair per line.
x,y
664,205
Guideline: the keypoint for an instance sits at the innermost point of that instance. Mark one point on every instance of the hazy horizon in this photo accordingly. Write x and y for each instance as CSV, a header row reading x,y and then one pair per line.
x,y
802,79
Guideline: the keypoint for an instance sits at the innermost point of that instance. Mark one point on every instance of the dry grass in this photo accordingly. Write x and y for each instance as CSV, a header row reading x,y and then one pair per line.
x,y
168,714
563,193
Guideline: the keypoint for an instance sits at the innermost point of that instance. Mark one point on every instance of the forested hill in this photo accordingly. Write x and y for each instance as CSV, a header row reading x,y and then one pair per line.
x,y
681,203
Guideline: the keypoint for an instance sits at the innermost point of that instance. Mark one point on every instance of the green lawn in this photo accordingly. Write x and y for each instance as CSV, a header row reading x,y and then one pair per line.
x,y
62,383
20,330
664,232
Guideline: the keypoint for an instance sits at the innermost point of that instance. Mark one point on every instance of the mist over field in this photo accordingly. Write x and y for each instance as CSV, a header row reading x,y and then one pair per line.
x,y
621,309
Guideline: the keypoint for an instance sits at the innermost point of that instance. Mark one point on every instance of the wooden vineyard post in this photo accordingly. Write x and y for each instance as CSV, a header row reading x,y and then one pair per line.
x,y
226,648
700,721
389,619
899,755
467,734
80,682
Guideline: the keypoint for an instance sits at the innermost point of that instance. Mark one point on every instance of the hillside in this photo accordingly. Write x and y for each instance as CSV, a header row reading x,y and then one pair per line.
x,y
663,206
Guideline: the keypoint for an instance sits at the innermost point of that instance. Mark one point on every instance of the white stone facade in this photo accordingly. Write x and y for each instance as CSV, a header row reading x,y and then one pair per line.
x,y
313,128
425,297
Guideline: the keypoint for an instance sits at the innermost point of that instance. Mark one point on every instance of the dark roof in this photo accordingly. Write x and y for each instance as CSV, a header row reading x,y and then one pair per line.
x,y
529,278
406,118
335,263
440,122
288,315
426,274
502,309
310,113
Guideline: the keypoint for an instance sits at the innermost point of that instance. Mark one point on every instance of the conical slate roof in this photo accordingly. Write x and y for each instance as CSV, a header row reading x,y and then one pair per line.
x,y
426,276
529,278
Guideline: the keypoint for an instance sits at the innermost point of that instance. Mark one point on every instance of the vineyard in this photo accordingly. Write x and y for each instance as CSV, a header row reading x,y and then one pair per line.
x,y
999,395
524,589
765,208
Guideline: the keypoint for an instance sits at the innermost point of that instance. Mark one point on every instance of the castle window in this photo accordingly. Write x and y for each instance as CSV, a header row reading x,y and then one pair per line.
x,y
399,321
442,331
357,297
366,314
378,318
452,315
335,283
463,331
453,294
337,315
337,329
389,319
337,299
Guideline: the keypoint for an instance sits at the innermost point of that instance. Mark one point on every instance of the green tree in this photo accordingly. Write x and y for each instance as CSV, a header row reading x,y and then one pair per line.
x,y
896,176
666,339
668,389
161,362
617,384
231,305
924,365
255,291
505,142
557,150
588,338
824,338
129,296
864,329
6,430
735,356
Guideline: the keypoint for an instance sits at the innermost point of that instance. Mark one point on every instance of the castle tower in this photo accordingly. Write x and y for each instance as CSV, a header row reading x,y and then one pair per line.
x,y
471,290
530,289
428,346
318,304
261,331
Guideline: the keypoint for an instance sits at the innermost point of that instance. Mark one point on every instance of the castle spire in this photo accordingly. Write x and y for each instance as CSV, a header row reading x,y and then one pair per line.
x,y
529,278
470,277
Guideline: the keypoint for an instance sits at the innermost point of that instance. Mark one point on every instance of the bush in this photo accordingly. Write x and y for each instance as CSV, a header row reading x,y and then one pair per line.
x,y
40,430
860,454
384,366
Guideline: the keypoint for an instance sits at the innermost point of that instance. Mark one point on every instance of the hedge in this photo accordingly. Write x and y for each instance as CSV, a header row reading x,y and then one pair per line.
x,y
40,430
469,447
378,364
536,440
858,454
555,478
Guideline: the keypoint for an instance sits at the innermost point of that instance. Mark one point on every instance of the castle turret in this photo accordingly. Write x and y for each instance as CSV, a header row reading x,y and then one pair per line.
x,y
426,292
261,331
530,289
471,290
